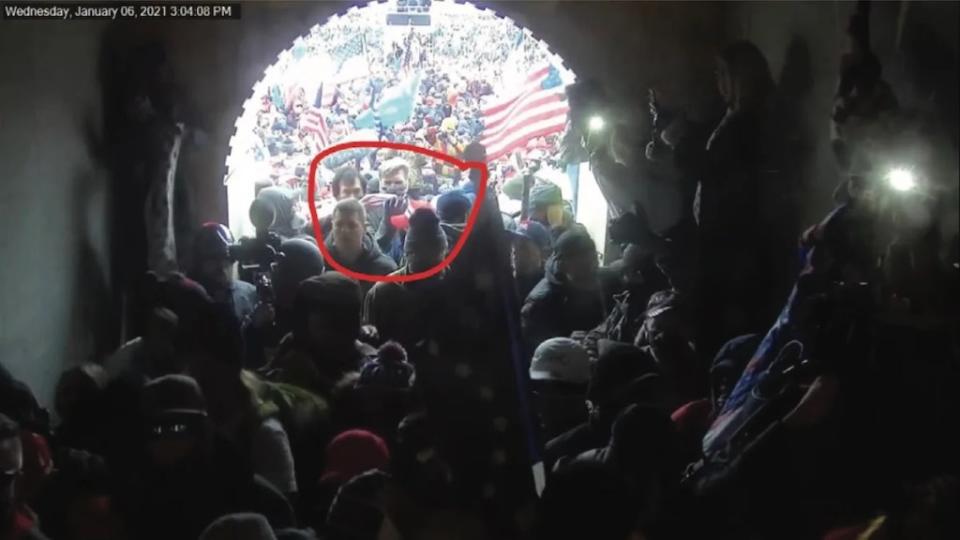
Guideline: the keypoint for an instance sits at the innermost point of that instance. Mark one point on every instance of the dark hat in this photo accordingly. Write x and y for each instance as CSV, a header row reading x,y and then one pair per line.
x,y
545,194
357,512
182,295
619,367
282,201
333,294
574,242
301,259
239,527
173,394
425,227
389,369
734,355
453,206
535,232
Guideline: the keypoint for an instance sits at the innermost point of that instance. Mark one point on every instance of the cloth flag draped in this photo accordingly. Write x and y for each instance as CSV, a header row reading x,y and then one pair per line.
x,y
537,109
394,106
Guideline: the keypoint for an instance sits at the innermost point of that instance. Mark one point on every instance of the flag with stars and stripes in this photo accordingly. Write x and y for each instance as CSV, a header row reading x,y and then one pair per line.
x,y
537,109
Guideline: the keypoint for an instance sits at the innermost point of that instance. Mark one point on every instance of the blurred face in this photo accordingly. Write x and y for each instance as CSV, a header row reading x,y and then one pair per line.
x,y
170,442
527,257
348,232
580,268
322,332
632,267
395,183
216,271
424,256
554,215
72,388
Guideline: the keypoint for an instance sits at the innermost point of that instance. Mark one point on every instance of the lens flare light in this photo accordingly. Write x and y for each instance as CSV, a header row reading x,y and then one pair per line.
x,y
595,123
902,179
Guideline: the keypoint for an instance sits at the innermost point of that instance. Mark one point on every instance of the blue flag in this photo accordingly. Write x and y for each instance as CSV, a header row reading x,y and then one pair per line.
x,y
395,105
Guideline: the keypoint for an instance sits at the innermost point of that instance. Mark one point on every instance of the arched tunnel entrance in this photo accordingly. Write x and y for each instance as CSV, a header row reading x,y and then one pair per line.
x,y
458,73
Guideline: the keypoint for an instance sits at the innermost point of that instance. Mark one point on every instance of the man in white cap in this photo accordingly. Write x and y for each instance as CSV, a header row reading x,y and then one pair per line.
x,y
559,374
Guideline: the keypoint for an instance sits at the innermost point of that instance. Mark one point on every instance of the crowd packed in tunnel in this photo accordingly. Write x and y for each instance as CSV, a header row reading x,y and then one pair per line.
x,y
735,374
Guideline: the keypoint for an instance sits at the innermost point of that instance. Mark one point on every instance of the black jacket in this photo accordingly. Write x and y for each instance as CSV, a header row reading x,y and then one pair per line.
x,y
555,309
526,284
371,261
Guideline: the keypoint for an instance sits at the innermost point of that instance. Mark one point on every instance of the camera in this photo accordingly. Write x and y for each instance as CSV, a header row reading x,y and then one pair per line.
x,y
255,255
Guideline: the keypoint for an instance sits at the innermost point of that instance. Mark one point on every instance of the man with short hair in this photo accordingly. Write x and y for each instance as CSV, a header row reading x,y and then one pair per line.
x,y
394,180
347,184
352,247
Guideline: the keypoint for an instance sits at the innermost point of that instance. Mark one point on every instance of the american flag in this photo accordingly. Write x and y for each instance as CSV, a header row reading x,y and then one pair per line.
x,y
314,122
538,109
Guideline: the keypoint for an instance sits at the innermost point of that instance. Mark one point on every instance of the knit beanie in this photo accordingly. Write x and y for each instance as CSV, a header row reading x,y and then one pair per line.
x,y
390,368
425,229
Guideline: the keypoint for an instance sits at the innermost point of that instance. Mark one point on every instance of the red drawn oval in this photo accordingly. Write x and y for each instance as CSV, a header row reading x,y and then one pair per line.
x,y
471,219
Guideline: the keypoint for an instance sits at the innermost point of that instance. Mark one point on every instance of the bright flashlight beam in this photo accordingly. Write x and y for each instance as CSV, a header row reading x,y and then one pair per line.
x,y
901,180
596,123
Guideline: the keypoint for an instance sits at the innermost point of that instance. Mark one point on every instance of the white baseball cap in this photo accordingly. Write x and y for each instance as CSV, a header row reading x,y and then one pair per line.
x,y
560,359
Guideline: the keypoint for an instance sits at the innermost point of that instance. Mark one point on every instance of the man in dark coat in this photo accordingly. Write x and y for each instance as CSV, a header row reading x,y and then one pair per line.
x,y
638,274
301,260
532,246
352,247
213,268
189,475
569,298
623,375
346,184
401,311
323,346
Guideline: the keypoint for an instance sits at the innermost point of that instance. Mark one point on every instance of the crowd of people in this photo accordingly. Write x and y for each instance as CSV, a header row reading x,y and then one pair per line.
x,y
698,387
368,61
